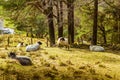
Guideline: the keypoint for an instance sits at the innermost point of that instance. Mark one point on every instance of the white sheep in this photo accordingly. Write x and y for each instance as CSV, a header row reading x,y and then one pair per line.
x,y
23,60
33,47
96,48
63,42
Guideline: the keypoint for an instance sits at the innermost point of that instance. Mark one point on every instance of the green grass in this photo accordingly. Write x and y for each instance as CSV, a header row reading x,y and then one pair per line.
x,y
61,64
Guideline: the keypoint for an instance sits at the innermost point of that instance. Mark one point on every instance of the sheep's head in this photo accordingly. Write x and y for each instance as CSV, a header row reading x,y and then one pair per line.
x,y
40,43
62,39
12,55
22,43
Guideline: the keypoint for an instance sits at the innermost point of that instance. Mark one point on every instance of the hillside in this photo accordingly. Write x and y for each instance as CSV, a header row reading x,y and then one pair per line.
x,y
60,64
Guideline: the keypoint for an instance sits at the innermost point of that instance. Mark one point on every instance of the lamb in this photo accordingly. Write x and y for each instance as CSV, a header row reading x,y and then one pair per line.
x,y
33,47
23,60
63,42
96,48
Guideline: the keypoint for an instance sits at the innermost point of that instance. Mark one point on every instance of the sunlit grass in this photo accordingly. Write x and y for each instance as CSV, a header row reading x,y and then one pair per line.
x,y
61,64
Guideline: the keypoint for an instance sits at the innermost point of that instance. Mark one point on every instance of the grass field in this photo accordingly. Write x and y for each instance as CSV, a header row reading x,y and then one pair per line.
x,y
60,64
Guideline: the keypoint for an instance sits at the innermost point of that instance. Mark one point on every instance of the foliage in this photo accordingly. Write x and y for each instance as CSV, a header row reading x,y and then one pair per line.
x,y
25,14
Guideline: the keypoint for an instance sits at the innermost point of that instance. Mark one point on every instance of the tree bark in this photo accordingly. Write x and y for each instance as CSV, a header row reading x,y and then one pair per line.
x,y
60,18
70,7
104,35
50,24
31,39
102,28
95,21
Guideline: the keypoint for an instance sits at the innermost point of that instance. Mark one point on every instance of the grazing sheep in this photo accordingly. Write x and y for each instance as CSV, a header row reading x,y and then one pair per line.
x,y
33,47
20,44
23,60
96,48
63,42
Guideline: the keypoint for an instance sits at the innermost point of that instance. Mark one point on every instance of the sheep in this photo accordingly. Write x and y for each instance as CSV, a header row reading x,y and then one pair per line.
x,y
23,60
33,47
63,42
96,48
20,44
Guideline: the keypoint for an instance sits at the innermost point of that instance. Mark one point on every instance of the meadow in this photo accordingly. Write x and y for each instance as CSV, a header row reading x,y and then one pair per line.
x,y
53,63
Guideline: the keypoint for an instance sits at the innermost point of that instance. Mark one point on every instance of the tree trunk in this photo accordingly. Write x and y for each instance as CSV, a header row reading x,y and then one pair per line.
x,y
104,36
70,7
31,40
50,24
94,37
60,18
102,28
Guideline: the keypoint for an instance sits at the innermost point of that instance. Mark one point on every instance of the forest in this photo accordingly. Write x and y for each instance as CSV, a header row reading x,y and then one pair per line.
x,y
59,39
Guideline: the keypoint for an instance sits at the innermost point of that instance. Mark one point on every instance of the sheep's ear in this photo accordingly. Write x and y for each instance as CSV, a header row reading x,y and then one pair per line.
x,y
12,53
39,42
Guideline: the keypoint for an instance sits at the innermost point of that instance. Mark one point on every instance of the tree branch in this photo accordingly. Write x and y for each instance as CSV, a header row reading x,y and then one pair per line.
x,y
113,6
